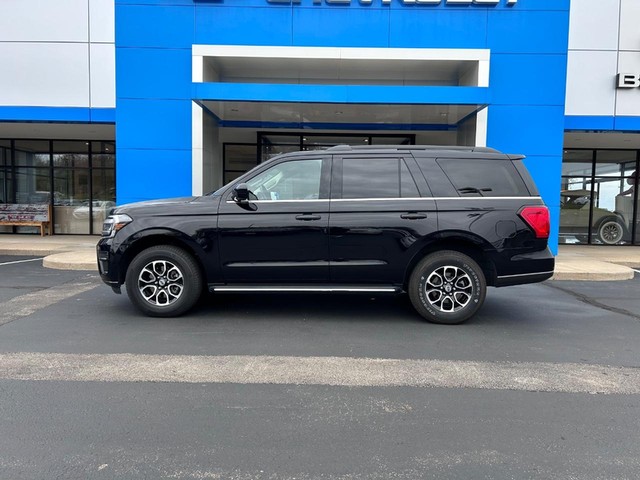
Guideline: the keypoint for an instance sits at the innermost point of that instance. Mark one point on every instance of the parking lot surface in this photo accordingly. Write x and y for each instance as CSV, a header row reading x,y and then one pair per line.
x,y
540,384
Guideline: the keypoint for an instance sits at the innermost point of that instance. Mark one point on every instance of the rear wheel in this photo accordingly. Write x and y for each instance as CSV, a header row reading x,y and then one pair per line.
x,y
447,287
163,281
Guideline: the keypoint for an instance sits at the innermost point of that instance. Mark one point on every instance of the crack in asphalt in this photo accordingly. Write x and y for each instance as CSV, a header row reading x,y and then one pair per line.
x,y
593,302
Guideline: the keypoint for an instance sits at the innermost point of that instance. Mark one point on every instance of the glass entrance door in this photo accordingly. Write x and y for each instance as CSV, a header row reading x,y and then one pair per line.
x,y
241,157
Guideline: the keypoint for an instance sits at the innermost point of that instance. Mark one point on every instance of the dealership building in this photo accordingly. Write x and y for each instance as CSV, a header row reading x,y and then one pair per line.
x,y
105,103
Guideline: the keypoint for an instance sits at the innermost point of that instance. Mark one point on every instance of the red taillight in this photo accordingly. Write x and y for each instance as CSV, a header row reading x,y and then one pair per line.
x,y
538,219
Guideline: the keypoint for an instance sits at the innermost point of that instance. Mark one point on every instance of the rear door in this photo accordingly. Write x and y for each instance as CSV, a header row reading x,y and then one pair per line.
x,y
378,213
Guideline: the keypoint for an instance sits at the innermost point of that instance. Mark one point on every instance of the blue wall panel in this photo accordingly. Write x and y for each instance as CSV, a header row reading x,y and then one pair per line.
x,y
341,27
530,130
153,26
245,92
170,68
534,32
413,28
148,174
528,79
153,124
243,26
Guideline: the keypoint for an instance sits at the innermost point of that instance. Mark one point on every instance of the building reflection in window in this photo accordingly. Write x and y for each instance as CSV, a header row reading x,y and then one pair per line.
x,y
598,200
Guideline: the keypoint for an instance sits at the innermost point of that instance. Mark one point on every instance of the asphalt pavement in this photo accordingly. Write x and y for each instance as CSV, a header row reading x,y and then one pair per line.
x,y
542,383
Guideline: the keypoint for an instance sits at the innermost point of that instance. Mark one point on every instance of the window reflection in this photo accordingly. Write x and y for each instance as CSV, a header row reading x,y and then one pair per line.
x,y
81,173
607,198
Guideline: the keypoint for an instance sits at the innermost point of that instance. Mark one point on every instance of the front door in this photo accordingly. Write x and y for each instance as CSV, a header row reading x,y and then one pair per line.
x,y
280,236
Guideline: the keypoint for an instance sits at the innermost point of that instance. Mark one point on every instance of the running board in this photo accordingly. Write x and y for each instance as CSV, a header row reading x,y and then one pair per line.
x,y
309,288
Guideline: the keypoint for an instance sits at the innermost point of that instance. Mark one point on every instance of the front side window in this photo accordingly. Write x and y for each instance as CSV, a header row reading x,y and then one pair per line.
x,y
377,178
294,180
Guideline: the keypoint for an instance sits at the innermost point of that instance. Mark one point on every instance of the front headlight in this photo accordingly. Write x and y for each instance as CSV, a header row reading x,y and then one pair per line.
x,y
113,223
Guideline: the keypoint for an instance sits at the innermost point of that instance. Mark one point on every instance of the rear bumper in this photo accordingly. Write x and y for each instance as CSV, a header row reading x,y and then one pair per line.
x,y
527,268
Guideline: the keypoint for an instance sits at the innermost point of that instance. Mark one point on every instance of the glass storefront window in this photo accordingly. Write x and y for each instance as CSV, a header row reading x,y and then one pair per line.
x,y
321,142
104,196
577,163
71,205
81,190
6,186
606,197
575,205
270,151
5,153
239,157
32,185
395,140
68,146
615,163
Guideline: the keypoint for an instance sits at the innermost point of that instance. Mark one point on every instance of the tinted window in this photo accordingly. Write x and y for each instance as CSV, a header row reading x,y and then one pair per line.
x,y
377,178
484,178
295,180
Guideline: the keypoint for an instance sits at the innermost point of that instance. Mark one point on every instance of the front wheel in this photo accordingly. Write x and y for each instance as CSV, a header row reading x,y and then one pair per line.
x,y
163,281
447,287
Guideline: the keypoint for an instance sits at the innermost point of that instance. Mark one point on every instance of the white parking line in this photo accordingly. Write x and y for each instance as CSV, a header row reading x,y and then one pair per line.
x,y
331,371
637,271
22,261
29,303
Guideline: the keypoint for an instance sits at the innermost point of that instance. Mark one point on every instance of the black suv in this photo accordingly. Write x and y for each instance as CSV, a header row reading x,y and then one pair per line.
x,y
440,223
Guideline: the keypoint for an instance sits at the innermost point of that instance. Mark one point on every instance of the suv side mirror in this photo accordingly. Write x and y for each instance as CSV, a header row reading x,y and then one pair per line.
x,y
241,192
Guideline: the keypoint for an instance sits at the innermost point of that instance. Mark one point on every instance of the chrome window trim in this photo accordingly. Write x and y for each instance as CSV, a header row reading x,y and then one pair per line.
x,y
394,199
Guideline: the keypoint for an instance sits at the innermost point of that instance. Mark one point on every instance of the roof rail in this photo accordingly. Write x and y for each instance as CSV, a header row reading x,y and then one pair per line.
x,y
347,148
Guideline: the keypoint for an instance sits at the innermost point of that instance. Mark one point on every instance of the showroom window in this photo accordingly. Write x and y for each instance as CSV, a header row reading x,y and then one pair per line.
x,y
77,178
239,158
599,197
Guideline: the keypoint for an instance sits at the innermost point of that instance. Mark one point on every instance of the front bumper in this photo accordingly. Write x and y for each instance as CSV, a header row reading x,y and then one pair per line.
x,y
106,266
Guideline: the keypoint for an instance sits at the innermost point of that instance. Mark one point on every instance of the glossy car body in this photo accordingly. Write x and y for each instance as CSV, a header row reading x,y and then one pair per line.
x,y
333,242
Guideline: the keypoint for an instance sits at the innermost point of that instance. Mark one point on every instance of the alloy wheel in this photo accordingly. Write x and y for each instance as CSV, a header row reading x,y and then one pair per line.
x,y
161,283
448,289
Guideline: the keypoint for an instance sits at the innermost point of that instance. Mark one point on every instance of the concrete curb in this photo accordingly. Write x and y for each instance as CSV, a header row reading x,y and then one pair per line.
x,y
594,276
78,260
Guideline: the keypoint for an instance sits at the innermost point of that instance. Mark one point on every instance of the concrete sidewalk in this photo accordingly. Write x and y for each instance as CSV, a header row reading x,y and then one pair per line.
x,y
574,262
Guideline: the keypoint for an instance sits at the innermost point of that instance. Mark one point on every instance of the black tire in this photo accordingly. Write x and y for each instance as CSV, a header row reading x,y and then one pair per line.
x,y
461,294
611,231
163,281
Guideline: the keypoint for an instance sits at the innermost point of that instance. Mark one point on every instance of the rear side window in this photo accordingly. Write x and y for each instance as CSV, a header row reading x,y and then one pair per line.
x,y
480,177
377,178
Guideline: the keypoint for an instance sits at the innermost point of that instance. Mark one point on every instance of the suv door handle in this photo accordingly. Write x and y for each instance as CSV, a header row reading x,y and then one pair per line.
x,y
413,216
306,217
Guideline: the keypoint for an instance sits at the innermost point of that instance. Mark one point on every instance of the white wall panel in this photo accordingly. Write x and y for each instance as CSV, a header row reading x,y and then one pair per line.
x,y
594,24
44,20
44,74
628,100
630,25
103,75
101,21
591,83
